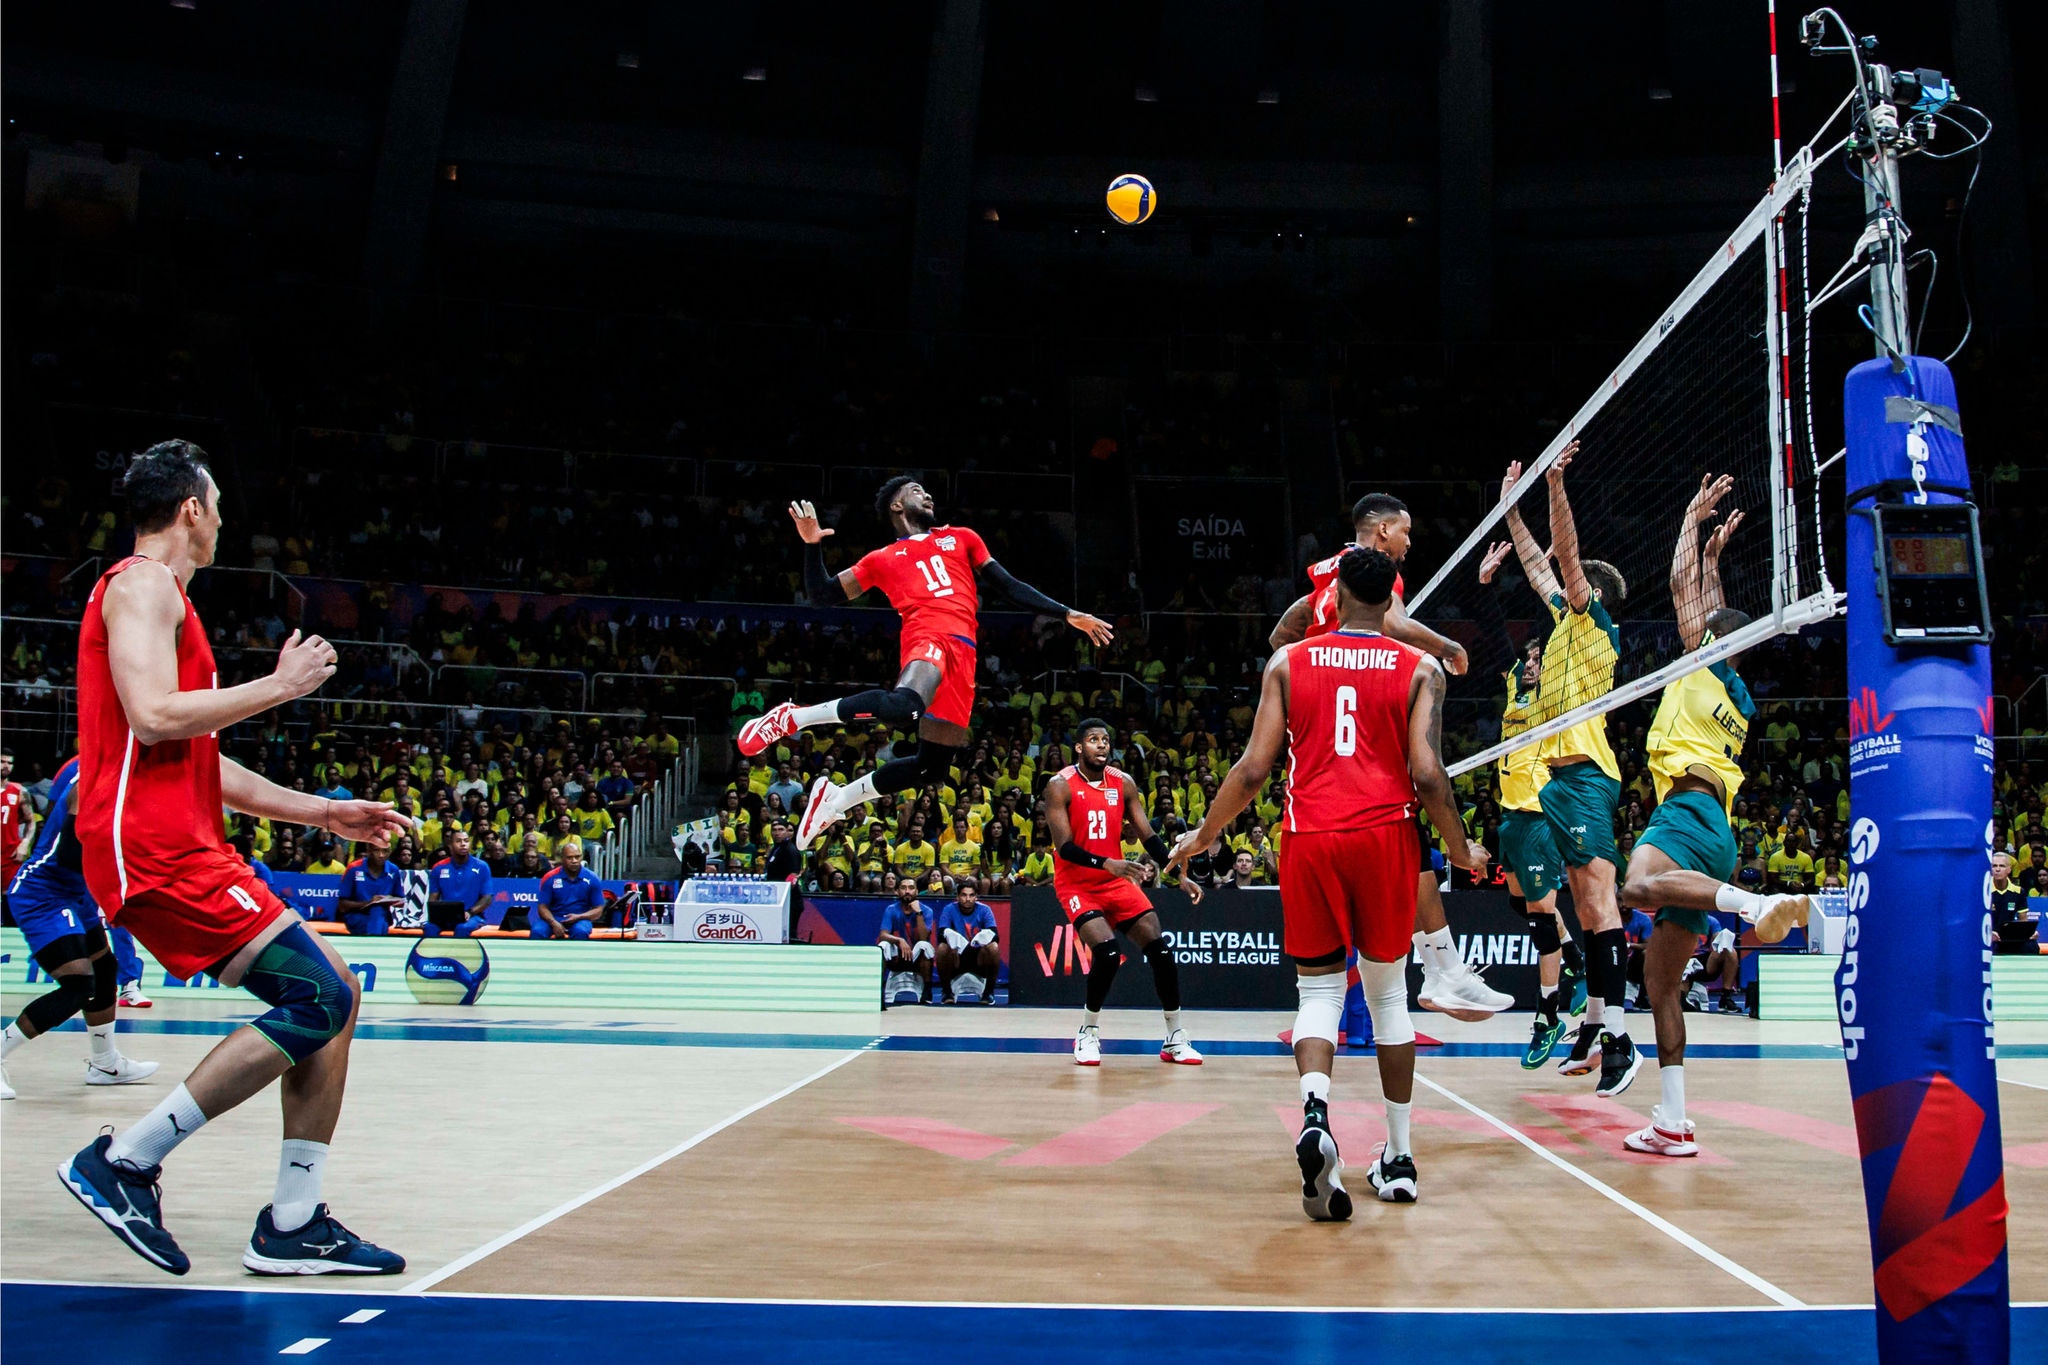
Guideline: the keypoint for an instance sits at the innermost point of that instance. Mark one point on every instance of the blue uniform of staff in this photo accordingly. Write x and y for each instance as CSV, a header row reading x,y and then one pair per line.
x,y
563,895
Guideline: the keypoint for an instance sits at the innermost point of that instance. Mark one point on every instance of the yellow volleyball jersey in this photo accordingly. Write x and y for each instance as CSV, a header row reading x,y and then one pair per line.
x,y
1702,721
1523,771
1578,667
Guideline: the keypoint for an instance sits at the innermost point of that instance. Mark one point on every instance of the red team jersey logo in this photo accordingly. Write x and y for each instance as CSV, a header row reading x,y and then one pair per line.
x,y
1322,587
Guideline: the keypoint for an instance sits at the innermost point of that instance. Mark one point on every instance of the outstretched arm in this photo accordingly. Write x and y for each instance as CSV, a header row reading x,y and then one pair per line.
x,y
1155,845
1031,599
1685,560
1564,536
1399,625
1710,563
1241,784
1426,766
1535,563
250,794
1294,623
818,580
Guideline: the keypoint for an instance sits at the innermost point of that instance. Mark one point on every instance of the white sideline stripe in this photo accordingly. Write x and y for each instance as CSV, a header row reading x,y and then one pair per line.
x,y
362,1315
305,1346
1669,1229
497,1244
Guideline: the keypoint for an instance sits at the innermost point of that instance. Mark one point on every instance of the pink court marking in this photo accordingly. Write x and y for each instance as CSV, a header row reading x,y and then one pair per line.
x,y
1838,1138
934,1135
1113,1136
1604,1123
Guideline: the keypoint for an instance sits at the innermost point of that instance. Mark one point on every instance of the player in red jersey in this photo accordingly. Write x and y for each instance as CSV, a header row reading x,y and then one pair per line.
x,y
1362,718
151,784
929,576
1381,521
1086,808
17,820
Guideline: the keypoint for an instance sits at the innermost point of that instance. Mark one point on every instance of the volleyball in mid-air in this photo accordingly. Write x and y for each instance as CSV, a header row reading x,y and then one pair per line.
x,y
447,971
1131,199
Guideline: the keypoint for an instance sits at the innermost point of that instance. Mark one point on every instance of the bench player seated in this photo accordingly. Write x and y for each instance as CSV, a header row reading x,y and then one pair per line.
x,y
68,939
570,903
906,945
1086,808
967,948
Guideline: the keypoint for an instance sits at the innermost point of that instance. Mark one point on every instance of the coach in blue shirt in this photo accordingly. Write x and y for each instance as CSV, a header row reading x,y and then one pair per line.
x,y
369,888
570,899
458,884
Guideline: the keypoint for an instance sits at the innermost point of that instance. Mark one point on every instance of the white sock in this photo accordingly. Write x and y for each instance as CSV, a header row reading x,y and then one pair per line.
x,y
1596,1008
1397,1129
1315,1085
1448,958
1425,952
1671,1110
1091,1018
1736,901
102,1036
1615,1020
11,1039
299,1168
1172,1020
824,713
858,792
150,1141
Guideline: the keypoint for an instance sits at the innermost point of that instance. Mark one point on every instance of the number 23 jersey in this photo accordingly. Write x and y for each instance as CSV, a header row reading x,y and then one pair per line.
x,y
929,579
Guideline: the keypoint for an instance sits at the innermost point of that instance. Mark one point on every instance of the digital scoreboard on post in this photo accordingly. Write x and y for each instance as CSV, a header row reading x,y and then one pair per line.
x,y
1930,575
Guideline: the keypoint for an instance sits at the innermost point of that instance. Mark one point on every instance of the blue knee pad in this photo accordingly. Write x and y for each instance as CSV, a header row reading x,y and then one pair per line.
x,y
310,1003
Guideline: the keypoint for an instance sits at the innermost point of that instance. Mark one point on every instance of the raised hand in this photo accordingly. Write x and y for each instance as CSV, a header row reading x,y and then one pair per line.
x,y
1496,554
1713,488
1508,481
1564,461
303,665
1094,627
1718,540
806,518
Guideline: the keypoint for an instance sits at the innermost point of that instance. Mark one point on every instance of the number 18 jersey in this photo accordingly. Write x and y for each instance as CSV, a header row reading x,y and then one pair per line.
x,y
929,579
1347,732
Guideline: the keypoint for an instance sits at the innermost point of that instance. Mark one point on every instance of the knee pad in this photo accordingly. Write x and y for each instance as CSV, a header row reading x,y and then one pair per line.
x,y
74,993
105,983
934,761
1543,932
1386,998
1321,1011
310,1002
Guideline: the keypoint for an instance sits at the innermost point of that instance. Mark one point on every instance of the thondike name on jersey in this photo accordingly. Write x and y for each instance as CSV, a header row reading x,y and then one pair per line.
x,y
1702,721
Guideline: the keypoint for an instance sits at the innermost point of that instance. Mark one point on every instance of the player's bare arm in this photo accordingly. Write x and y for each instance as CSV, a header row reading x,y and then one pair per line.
x,y
1687,591
1031,599
1241,784
1711,595
1294,622
1426,766
251,794
818,580
1564,536
1399,625
1155,844
144,611
1059,822
1535,561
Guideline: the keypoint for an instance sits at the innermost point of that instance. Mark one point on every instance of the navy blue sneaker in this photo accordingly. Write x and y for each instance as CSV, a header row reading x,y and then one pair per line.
x,y
322,1247
126,1198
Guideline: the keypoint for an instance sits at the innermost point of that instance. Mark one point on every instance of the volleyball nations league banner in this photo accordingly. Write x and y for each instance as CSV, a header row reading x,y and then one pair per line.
x,y
1914,987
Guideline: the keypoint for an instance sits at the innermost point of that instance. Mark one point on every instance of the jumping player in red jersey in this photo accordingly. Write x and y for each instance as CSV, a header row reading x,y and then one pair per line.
x,y
1362,719
1381,521
152,781
1086,808
929,576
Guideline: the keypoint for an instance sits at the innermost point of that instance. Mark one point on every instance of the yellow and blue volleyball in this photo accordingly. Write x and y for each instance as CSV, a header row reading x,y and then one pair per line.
x,y
1131,199
447,971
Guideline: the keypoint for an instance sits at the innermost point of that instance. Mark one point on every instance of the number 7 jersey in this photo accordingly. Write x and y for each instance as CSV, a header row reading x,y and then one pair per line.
x,y
929,579
1347,732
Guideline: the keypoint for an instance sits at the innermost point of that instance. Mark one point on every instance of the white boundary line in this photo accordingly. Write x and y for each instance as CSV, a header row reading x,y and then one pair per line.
x,y
2031,1085
1669,1229
497,1244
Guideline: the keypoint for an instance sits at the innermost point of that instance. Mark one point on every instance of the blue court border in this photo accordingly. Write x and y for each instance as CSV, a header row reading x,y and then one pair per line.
x,y
630,1033
228,1326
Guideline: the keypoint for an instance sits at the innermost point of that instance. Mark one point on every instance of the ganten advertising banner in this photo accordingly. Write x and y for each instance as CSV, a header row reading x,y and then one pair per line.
x,y
1914,988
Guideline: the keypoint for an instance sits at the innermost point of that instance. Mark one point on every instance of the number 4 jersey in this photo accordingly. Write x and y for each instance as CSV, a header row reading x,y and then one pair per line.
x,y
1347,732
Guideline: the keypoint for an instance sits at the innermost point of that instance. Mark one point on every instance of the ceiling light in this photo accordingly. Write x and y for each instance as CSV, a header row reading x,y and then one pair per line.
x,y
755,73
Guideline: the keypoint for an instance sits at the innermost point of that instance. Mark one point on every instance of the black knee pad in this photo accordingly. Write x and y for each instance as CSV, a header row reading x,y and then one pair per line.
x,y
105,986
935,761
1518,904
1543,932
75,992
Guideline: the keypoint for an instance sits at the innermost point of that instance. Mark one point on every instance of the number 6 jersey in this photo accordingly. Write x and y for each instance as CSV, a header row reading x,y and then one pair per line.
x,y
1347,732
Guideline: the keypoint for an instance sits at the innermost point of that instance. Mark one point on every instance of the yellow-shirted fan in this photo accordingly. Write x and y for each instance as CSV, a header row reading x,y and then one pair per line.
x,y
1131,199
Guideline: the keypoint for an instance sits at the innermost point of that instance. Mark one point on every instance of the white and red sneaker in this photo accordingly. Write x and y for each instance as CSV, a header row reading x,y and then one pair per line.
x,y
1088,1046
1658,1140
778,722
133,998
1178,1050
820,810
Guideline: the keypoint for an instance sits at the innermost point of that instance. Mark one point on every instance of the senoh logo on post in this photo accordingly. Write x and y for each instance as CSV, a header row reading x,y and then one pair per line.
x,y
722,924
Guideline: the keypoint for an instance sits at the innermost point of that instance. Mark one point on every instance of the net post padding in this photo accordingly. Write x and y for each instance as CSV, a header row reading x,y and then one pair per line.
x,y
1798,175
